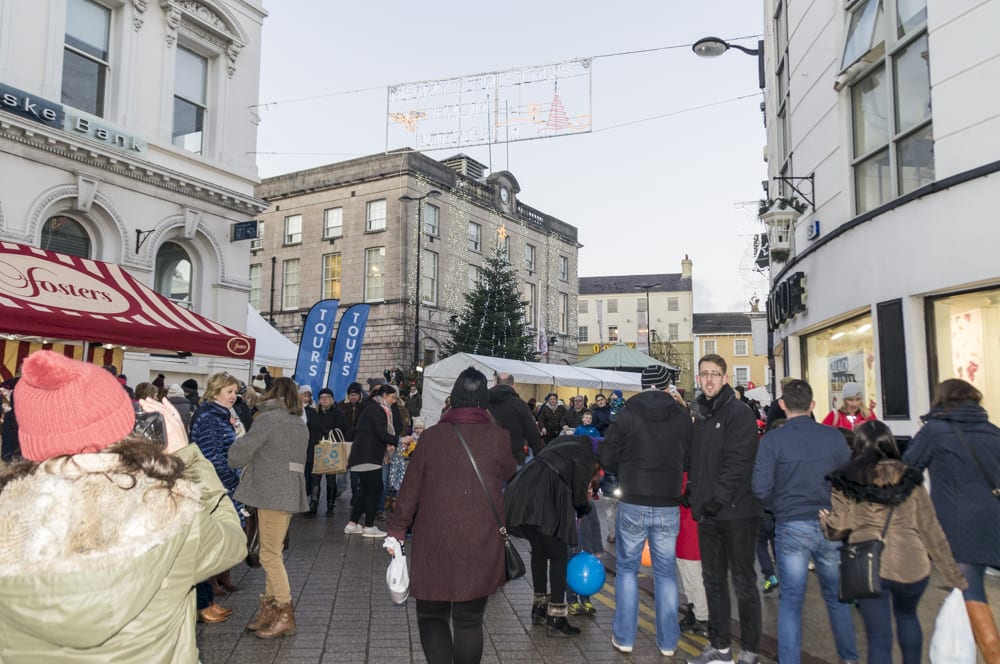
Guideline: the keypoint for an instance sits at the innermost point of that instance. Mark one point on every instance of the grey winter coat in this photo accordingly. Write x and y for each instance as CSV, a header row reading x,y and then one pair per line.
x,y
271,456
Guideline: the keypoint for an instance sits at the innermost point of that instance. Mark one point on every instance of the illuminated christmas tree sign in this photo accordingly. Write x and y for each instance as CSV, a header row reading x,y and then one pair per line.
x,y
497,107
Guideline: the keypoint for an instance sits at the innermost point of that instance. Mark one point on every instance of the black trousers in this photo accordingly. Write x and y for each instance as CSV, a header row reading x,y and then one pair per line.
x,y
730,546
435,621
549,557
369,492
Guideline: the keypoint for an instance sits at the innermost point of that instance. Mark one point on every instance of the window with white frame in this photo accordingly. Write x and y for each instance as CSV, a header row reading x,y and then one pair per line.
x,y
429,278
432,220
893,137
293,229
258,242
782,130
290,283
640,304
673,332
530,298
612,333
190,100
741,375
529,258
374,274
331,276
673,304
739,347
376,216
581,334
333,222
475,236
612,306
563,268
85,56
472,277
709,346
563,313
583,307
255,279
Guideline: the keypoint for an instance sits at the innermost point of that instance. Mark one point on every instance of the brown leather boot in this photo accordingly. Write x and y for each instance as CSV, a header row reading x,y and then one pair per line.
x,y
282,622
226,582
265,613
984,629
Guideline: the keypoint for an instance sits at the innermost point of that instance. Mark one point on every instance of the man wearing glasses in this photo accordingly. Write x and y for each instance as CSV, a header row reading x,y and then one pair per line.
x,y
728,515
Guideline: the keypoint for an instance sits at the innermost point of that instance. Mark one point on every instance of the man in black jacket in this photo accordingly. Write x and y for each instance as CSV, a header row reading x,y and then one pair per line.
x,y
648,446
728,514
513,416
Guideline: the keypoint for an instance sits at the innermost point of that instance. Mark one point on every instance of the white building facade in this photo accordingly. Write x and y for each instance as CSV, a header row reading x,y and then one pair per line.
x,y
885,115
127,136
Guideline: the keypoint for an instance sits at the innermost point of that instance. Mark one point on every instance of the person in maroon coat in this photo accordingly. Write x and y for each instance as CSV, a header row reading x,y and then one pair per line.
x,y
457,554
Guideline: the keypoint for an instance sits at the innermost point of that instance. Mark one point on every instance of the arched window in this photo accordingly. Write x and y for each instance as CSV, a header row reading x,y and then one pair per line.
x,y
173,273
66,236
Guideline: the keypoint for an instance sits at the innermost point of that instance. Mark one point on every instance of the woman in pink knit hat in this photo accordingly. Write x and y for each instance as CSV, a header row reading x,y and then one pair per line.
x,y
105,527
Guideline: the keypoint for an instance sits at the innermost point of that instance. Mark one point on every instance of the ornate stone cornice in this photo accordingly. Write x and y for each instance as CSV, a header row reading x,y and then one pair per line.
x,y
139,8
204,22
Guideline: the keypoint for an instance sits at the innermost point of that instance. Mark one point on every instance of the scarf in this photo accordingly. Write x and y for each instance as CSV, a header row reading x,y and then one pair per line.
x,y
388,415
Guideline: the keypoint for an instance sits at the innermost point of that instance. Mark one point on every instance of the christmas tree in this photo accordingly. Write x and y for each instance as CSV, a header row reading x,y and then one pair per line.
x,y
493,320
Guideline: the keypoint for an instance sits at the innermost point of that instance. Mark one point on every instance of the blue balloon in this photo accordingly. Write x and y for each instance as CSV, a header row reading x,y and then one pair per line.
x,y
585,574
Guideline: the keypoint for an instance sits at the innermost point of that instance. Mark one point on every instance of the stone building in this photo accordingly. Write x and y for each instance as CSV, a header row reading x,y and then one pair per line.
x,y
730,335
349,231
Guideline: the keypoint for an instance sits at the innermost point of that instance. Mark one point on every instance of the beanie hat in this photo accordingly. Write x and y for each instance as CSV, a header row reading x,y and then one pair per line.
x,y
355,388
66,406
617,393
190,384
849,391
325,390
175,390
655,375
470,390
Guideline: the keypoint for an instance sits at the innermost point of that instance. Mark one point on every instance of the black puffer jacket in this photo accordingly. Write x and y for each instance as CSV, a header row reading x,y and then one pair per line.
x,y
722,458
648,446
514,417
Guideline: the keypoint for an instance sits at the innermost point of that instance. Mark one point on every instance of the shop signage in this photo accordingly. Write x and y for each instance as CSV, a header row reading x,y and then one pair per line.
x,y
99,132
31,107
244,230
39,282
786,300
598,347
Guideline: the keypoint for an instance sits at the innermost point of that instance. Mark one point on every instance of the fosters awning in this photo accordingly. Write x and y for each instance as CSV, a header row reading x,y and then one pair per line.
x,y
55,296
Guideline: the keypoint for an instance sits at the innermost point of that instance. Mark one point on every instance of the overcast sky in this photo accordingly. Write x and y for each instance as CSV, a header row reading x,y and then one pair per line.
x,y
671,181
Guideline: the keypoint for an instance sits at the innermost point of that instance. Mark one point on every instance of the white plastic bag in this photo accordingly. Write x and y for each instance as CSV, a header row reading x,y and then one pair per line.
x,y
397,577
953,642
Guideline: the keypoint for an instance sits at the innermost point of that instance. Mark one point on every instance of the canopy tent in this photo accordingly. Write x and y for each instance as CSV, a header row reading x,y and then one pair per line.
x,y
50,296
621,357
273,348
440,377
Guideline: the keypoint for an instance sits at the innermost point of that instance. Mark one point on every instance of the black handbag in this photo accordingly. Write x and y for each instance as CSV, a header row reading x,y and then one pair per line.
x,y
512,559
252,528
860,565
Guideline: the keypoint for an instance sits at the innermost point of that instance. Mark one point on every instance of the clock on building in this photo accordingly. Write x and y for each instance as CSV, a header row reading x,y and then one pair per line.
x,y
504,195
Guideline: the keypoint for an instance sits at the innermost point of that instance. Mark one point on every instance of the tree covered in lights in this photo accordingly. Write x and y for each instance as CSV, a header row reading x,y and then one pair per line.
x,y
492,322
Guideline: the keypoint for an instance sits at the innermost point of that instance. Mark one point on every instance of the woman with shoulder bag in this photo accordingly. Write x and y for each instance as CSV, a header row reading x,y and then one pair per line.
x,y
271,455
876,492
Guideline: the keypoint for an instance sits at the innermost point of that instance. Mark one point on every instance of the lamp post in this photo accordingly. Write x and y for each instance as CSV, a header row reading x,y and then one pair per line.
x,y
419,200
647,288
711,47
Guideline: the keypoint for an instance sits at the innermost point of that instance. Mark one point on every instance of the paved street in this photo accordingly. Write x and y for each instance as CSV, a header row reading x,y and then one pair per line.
x,y
344,614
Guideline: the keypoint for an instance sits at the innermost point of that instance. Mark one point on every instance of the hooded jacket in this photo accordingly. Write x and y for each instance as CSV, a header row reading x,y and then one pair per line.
x,y
648,446
863,493
722,458
513,415
969,513
95,569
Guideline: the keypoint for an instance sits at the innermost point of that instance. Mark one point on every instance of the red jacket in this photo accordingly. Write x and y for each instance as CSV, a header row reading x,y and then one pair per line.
x,y
838,418
687,538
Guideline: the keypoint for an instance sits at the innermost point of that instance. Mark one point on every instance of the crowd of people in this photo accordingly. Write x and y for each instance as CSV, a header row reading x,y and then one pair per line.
x,y
693,486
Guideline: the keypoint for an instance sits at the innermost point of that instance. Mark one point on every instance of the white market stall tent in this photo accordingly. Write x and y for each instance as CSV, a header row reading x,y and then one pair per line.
x,y
532,379
273,348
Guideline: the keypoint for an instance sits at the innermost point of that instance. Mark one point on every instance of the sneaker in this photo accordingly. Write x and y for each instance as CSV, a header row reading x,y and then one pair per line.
x,y
355,529
666,653
373,532
712,655
589,608
747,657
770,583
619,647
700,627
576,609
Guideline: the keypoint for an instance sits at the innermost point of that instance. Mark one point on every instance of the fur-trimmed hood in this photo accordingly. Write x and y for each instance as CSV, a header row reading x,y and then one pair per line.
x,y
887,482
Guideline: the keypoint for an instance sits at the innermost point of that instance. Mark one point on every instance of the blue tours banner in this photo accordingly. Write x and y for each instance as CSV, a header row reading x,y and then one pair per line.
x,y
310,368
347,352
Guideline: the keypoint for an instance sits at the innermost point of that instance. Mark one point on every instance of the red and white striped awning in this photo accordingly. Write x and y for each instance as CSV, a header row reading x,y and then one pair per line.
x,y
55,296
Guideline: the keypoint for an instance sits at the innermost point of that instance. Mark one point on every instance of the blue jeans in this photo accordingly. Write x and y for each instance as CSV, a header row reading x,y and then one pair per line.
x,y
900,599
795,542
660,525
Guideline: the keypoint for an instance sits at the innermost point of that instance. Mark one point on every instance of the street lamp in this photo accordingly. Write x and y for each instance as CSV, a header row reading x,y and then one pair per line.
x,y
647,288
433,193
711,47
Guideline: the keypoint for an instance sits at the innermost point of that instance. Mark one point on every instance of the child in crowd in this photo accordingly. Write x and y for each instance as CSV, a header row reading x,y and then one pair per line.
x,y
397,465
588,528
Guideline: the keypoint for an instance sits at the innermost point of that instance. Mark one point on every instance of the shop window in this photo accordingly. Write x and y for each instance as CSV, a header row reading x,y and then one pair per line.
x,y
65,236
173,273
842,353
961,342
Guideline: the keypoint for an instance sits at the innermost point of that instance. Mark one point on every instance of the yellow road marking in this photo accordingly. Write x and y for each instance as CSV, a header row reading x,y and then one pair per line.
x,y
689,643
